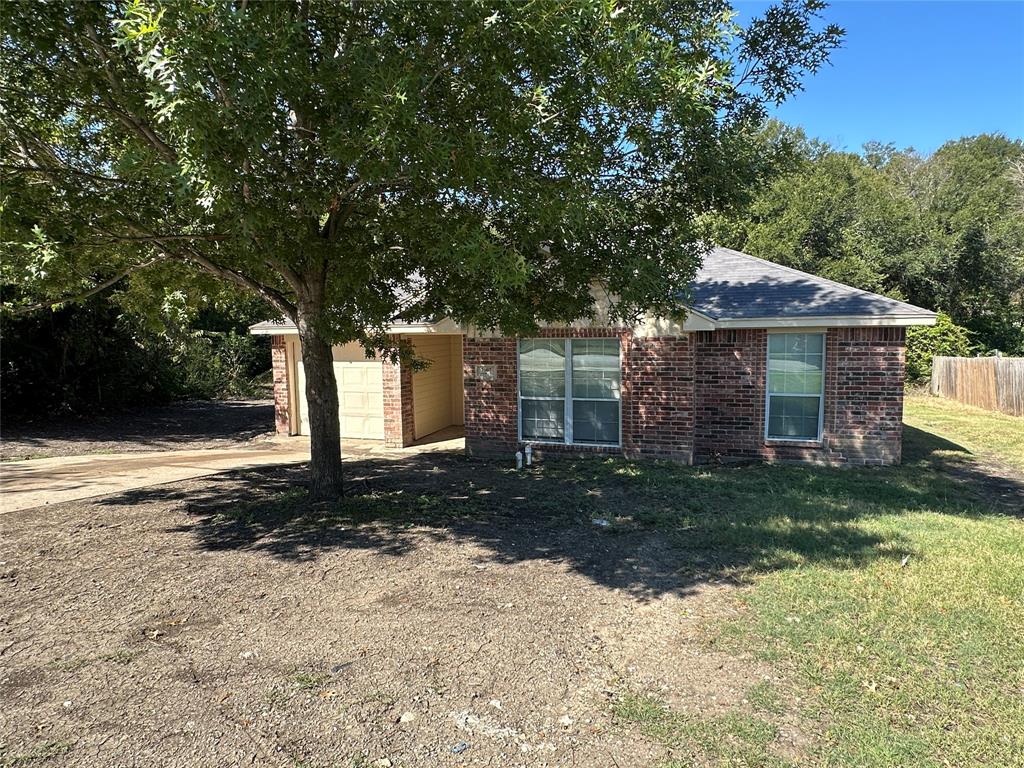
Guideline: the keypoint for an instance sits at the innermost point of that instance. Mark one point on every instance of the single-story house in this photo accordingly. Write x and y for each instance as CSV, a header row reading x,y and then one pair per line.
x,y
769,363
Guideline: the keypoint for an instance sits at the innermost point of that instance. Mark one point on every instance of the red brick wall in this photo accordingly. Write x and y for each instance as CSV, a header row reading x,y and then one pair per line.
x,y
729,393
657,395
864,369
865,422
279,363
702,396
399,429
491,406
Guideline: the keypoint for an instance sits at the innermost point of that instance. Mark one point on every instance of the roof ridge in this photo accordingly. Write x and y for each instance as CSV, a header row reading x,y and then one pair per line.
x,y
836,283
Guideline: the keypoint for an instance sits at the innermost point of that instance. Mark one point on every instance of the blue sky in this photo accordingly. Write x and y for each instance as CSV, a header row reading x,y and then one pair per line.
x,y
914,73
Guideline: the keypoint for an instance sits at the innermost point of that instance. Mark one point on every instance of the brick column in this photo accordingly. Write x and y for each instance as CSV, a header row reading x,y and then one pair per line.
x,y
398,414
279,363
865,422
491,403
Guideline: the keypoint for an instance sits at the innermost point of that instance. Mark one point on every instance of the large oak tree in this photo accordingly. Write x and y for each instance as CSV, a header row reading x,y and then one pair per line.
x,y
353,162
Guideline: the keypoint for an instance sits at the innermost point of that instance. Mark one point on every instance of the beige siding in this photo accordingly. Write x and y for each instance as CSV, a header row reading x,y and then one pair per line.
x,y
432,387
457,381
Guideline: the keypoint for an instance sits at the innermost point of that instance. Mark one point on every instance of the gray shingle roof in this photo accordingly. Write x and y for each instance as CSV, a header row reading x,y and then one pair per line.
x,y
736,286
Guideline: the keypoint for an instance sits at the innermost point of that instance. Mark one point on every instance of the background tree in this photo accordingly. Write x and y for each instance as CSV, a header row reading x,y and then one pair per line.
x,y
944,231
352,162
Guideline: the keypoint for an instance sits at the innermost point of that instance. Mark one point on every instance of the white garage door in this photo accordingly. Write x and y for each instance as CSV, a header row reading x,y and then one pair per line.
x,y
360,394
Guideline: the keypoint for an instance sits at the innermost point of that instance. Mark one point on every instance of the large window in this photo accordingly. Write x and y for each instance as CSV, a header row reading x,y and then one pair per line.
x,y
796,379
569,391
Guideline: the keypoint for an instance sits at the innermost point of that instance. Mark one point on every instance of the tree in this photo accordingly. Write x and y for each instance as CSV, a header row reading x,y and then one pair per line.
x,y
942,231
351,162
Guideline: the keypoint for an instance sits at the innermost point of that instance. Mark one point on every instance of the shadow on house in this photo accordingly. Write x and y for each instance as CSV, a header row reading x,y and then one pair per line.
x,y
670,527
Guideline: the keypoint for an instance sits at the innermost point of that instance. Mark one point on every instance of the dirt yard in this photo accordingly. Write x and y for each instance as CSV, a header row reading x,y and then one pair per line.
x,y
179,426
208,624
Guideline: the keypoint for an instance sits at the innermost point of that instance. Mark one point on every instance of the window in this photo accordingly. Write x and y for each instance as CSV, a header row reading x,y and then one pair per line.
x,y
569,391
796,365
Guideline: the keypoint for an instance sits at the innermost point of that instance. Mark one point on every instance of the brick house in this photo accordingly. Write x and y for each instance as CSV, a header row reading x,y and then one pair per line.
x,y
767,362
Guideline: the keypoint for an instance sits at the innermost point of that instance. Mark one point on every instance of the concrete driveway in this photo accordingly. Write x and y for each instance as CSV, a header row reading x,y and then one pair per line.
x,y
33,483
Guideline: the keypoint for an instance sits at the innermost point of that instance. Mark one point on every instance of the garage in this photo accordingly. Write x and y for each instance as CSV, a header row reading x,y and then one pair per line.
x,y
398,403
360,393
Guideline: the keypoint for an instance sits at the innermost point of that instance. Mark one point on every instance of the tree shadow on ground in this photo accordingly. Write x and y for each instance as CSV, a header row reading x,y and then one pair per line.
x,y
993,482
644,527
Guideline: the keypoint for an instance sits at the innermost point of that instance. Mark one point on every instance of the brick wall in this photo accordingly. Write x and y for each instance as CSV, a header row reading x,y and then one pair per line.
x,y
491,406
279,364
864,369
658,397
399,428
865,422
702,396
729,393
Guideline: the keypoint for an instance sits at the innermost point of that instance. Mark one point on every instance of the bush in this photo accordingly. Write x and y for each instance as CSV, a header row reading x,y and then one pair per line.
x,y
926,341
220,365
92,357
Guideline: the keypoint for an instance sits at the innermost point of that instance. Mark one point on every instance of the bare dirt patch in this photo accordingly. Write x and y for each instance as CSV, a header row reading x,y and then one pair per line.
x,y
179,426
221,622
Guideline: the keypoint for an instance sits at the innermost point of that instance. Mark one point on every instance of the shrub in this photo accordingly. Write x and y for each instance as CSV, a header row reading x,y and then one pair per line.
x,y
944,338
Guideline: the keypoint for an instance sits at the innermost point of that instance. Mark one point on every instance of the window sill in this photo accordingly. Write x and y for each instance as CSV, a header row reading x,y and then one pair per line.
x,y
782,441
553,443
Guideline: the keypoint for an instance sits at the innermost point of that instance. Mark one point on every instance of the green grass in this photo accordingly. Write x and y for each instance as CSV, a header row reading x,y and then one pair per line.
x,y
42,753
891,600
310,681
977,432
735,740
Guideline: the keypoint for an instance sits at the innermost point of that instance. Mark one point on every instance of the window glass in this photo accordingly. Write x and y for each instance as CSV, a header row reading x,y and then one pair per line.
x,y
543,419
591,409
795,385
795,418
595,421
595,369
542,367
542,389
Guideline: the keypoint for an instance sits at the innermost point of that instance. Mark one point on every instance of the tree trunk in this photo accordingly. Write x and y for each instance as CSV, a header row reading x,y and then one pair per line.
x,y
322,405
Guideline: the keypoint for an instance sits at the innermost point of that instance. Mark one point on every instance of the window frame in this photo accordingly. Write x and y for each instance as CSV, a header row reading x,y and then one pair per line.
x,y
567,413
818,439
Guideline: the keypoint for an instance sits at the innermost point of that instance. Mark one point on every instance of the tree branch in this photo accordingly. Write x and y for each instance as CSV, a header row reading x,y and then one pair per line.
x,y
58,171
189,253
131,121
91,292
161,238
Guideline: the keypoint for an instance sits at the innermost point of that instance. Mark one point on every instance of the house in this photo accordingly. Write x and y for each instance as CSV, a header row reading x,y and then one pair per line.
x,y
769,363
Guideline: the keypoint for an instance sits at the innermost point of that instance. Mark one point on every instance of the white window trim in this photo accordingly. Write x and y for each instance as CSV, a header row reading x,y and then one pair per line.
x,y
821,397
568,399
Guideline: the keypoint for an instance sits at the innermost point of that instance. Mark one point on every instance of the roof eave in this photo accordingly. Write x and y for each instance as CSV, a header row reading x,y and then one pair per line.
x,y
444,326
827,321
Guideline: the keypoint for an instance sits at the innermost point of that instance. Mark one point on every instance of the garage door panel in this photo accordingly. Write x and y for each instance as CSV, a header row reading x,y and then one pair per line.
x,y
360,395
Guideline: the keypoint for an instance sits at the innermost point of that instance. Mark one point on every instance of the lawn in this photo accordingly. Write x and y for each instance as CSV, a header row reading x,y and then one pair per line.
x,y
585,612
978,432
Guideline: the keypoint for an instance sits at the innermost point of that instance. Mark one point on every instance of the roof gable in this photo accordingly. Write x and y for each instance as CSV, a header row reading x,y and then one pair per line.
x,y
736,286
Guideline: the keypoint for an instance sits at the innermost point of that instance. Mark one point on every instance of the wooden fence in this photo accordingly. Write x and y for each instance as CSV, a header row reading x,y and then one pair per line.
x,y
994,383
